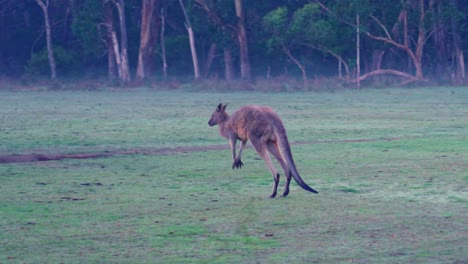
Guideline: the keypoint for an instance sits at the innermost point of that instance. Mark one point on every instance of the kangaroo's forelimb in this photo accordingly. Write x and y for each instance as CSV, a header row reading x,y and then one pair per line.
x,y
237,162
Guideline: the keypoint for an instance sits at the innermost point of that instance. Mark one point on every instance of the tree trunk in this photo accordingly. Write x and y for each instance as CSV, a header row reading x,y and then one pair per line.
x,y
458,75
196,68
358,52
125,71
245,69
209,60
188,25
111,56
118,58
299,65
50,51
228,68
147,8
154,39
339,58
440,42
341,63
111,62
421,41
113,44
163,45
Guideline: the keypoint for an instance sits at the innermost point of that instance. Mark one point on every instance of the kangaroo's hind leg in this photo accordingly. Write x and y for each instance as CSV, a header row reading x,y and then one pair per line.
x,y
275,151
261,149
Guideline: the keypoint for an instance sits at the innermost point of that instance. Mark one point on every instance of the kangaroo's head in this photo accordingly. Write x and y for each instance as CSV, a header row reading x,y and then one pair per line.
x,y
218,116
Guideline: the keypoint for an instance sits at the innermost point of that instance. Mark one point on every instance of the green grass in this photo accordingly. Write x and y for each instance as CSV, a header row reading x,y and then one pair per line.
x,y
390,165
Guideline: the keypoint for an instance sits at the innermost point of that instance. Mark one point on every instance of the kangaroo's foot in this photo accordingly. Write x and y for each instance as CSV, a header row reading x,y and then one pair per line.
x,y
237,164
273,195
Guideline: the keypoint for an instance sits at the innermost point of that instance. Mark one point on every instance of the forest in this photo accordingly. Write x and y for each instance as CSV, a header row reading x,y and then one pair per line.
x,y
348,43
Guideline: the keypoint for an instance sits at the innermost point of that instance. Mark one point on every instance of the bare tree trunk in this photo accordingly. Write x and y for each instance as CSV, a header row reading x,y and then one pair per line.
x,y
188,25
340,75
246,72
442,67
113,42
118,59
196,68
209,60
111,64
459,69
377,56
147,8
111,56
163,45
50,51
154,39
421,41
299,65
461,66
228,68
125,71
341,63
358,52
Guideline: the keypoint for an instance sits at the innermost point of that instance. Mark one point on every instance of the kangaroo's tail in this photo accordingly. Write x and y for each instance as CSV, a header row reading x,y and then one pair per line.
x,y
285,149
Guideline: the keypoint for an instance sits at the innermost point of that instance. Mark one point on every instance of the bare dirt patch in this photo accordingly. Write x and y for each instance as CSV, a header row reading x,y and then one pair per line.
x,y
37,157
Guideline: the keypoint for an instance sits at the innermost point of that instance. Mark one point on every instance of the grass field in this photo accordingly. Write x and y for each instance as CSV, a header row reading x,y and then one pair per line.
x,y
139,177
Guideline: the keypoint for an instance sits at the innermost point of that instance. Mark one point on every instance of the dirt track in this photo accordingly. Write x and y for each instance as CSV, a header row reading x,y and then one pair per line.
x,y
36,157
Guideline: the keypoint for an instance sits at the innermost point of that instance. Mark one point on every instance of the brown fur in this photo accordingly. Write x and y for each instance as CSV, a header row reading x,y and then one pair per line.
x,y
265,130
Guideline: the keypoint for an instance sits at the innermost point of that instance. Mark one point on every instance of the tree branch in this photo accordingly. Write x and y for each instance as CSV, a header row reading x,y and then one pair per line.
x,y
382,26
409,78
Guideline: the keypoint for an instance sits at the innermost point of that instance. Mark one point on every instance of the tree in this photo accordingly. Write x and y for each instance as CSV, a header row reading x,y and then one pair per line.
x,y
120,51
193,49
305,28
147,11
246,72
399,36
277,24
229,18
113,59
416,53
458,75
163,44
50,51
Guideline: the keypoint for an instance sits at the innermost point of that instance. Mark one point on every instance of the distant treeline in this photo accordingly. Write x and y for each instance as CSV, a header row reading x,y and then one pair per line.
x,y
351,41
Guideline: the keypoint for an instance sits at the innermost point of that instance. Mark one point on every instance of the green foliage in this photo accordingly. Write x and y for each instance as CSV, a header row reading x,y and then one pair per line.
x,y
276,23
320,31
308,25
85,26
38,64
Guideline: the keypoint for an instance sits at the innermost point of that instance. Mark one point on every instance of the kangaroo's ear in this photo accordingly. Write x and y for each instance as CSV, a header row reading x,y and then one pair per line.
x,y
224,107
220,106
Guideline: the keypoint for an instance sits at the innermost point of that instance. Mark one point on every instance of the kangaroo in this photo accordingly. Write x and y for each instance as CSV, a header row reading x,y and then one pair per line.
x,y
265,130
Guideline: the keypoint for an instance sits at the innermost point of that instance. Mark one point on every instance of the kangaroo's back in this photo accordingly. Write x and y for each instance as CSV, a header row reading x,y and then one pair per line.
x,y
256,121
